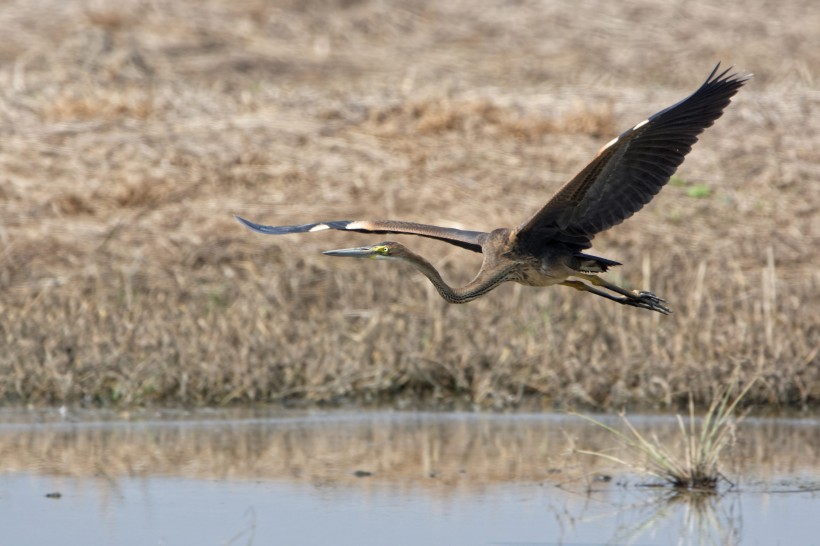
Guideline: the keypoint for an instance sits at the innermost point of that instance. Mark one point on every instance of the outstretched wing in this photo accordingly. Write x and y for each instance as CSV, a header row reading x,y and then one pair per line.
x,y
471,240
629,171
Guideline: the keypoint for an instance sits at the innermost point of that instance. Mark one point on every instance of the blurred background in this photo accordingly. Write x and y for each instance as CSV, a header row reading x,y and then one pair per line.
x,y
132,131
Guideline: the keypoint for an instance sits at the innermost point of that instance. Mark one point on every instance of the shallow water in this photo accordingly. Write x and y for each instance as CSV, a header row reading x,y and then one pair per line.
x,y
383,478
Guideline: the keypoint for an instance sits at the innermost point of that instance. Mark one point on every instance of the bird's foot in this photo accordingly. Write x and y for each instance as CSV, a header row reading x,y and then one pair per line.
x,y
648,300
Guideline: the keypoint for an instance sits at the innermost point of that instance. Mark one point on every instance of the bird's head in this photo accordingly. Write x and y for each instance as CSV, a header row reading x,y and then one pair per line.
x,y
382,251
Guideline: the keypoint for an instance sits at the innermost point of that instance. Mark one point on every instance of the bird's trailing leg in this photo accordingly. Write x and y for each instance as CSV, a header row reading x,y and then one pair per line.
x,y
645,300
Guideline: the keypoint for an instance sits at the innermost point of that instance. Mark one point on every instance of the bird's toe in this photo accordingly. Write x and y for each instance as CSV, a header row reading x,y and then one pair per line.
x,y
651,301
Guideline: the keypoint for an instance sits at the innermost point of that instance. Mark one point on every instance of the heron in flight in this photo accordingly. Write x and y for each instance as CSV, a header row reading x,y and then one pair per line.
x,y
547,248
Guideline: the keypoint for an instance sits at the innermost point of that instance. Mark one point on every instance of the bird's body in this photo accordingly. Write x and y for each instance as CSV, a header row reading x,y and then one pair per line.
x,y
547,248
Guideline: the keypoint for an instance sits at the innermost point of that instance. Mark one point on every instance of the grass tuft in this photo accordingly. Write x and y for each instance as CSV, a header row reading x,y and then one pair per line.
x,y
696,464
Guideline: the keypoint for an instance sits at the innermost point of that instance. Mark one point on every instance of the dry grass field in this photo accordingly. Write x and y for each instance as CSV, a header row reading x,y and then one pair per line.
x,y
132,131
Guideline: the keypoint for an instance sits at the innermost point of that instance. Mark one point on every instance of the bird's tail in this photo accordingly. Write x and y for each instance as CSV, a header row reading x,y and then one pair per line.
x,y
591,264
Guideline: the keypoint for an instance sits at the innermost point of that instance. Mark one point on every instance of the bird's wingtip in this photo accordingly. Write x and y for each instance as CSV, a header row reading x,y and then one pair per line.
x,y
247,223
726,75
736,76
242,220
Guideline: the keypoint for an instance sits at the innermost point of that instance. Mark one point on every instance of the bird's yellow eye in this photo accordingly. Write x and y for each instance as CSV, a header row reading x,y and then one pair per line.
x,y
383,250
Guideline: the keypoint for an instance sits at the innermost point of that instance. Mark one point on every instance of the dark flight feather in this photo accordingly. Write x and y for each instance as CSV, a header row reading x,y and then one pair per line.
x,y
629,171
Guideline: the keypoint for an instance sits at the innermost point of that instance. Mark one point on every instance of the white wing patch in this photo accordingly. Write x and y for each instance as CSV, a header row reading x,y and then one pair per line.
x,y
319,227
614,140
359,224
641,124
607,145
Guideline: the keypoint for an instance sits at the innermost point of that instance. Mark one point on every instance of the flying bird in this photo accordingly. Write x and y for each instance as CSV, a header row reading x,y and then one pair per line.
x,y
547,249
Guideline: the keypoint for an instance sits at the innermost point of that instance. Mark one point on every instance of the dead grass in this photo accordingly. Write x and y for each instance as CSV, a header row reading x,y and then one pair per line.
x,y
130,136
470,117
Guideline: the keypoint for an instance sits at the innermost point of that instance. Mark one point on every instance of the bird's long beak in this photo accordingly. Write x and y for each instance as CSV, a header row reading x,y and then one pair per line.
x,y
360,252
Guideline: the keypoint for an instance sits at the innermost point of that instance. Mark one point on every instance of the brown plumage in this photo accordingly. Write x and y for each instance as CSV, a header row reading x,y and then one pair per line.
x,y
546,249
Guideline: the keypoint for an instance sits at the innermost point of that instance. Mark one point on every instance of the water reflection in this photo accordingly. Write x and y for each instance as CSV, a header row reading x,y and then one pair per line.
x,y
461,478
703,517
467,450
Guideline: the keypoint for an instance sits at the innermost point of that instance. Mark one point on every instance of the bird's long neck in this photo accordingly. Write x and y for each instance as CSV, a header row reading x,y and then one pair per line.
x,y
483,282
